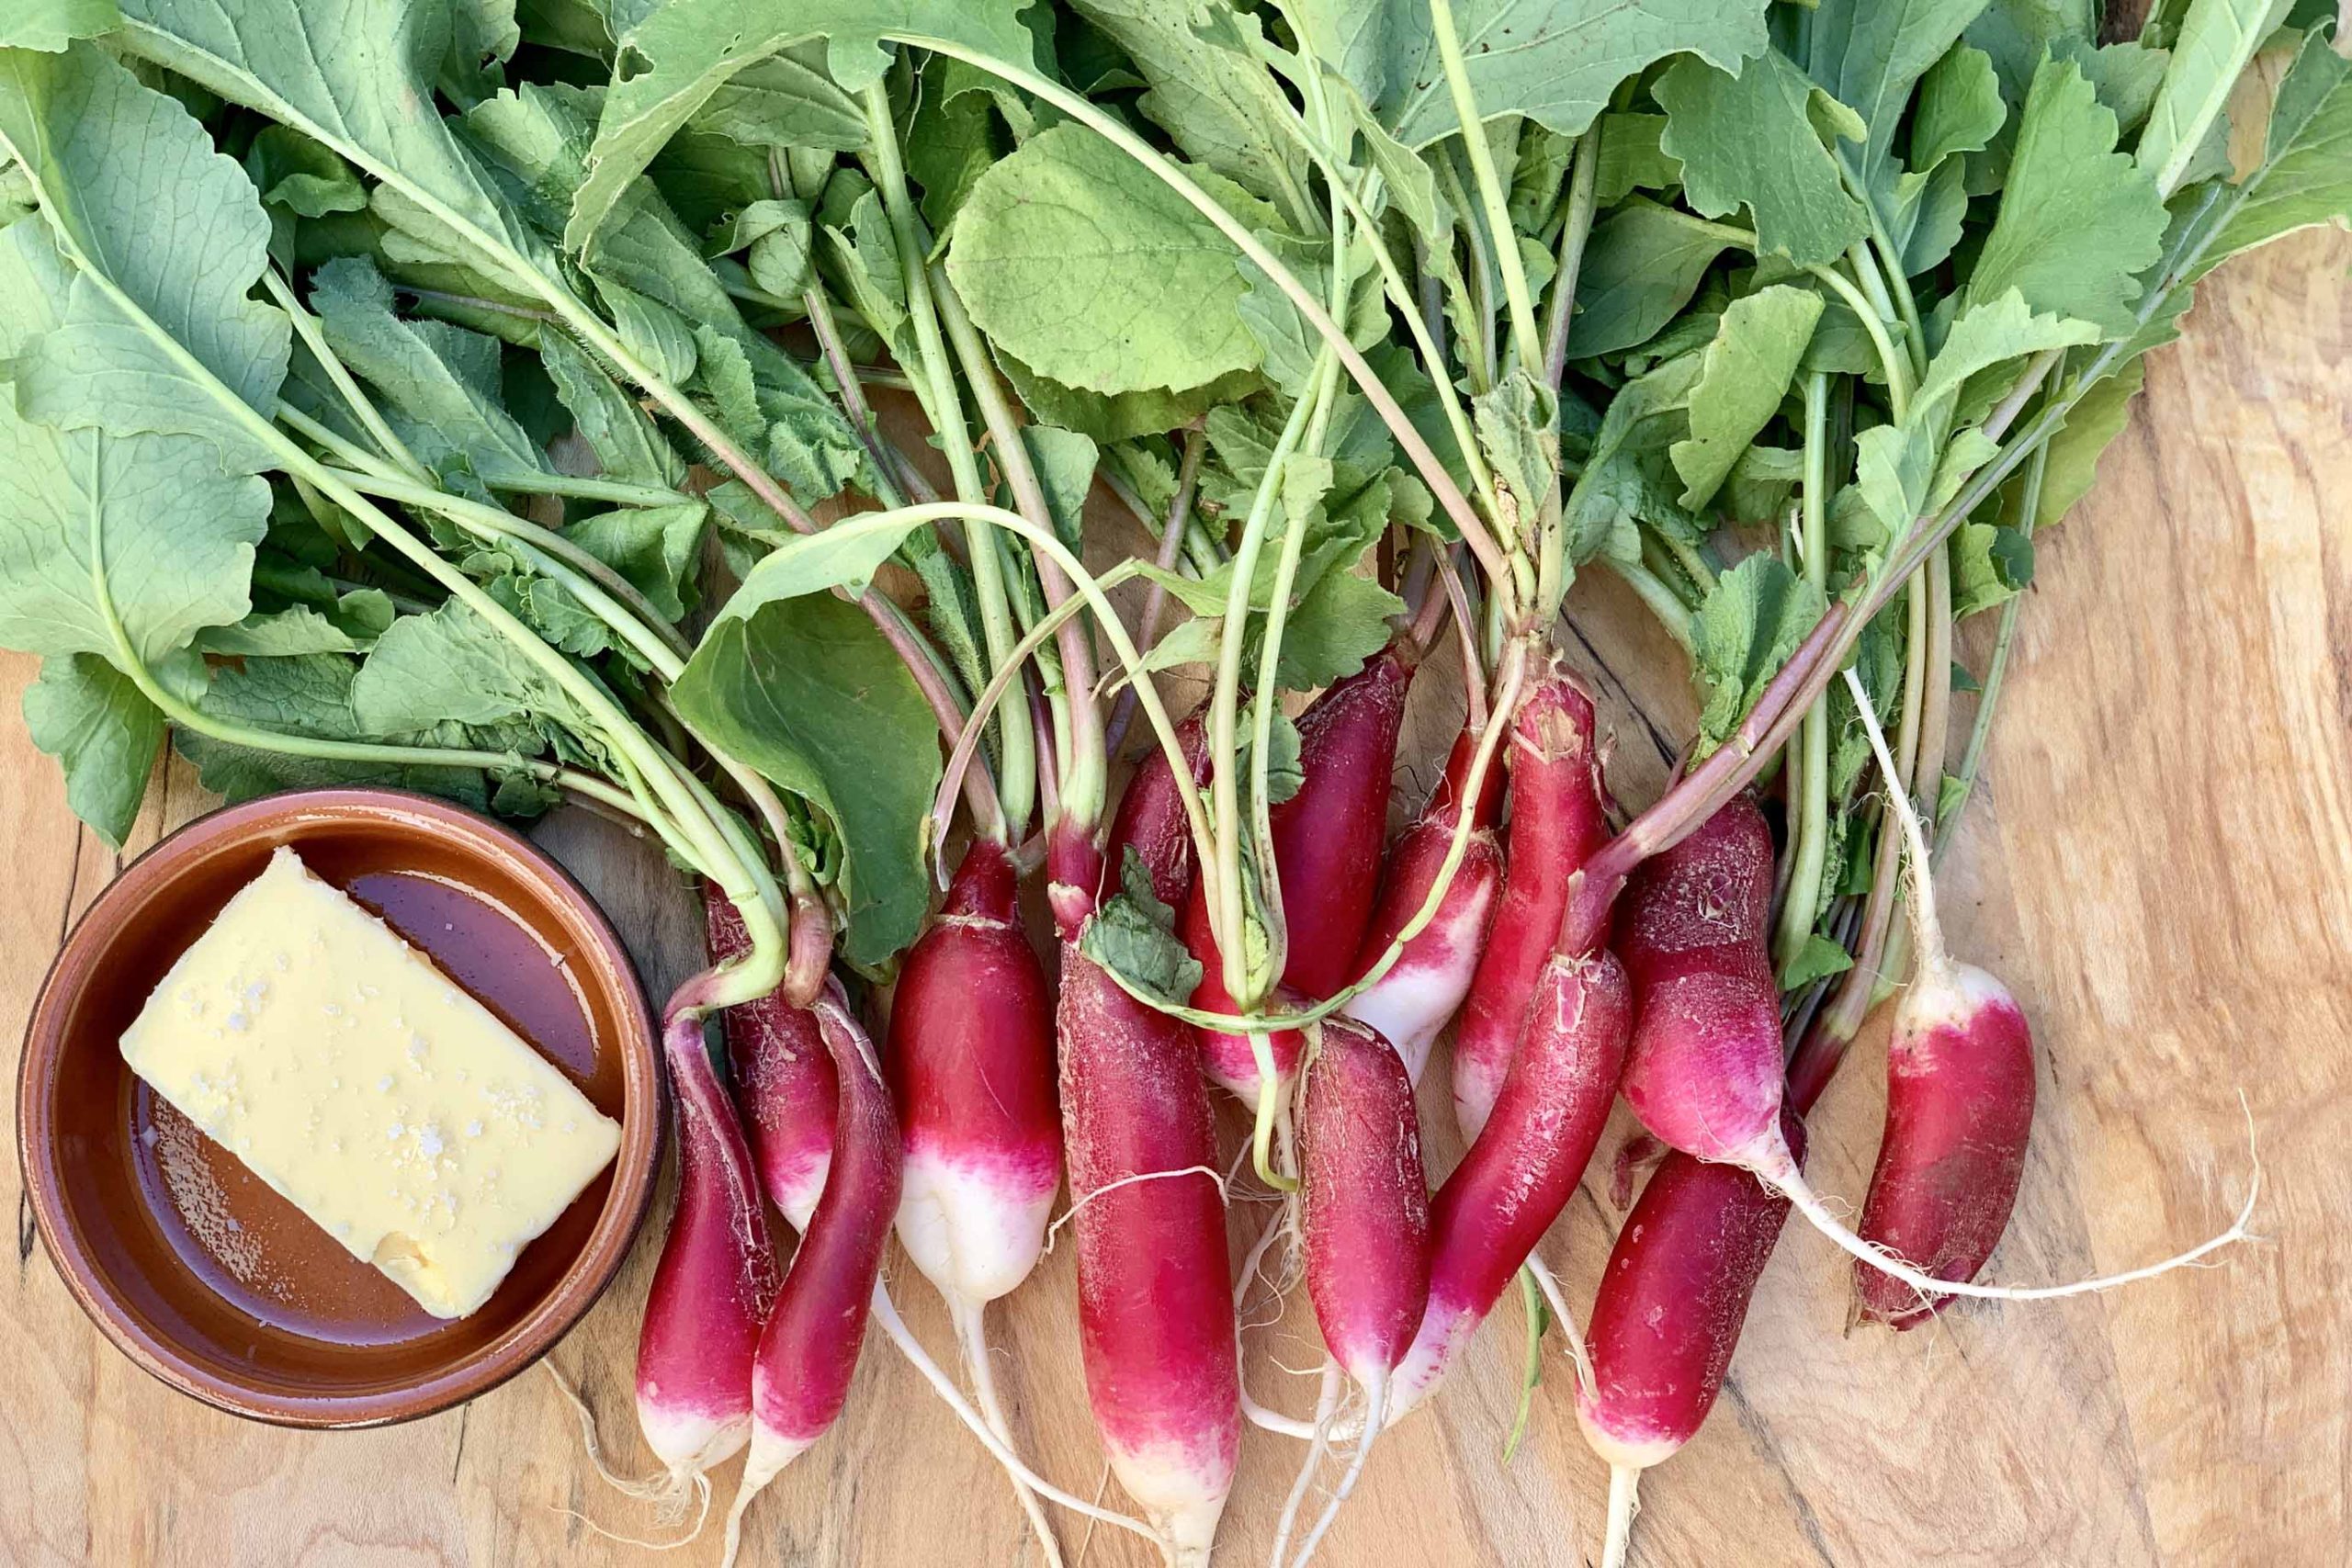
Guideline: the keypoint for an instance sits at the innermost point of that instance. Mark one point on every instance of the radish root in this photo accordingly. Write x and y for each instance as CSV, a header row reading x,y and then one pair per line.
x,y
1376,1408
668,1491
971,1333
1625,1502
1053,1231
1327,1405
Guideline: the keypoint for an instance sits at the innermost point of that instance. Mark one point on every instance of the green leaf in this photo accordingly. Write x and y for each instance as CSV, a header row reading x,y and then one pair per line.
x,y
2305,176
104,734
1959,108
1756,352
1340,622
1818,959
1745,629
1556,61
1992,330
1641,267
657,549
1749,140
1065,461
279,634
1216,101
1124,415
178,531
51,25
294,172
2217,40
786,101
355,74
1517,422
623,436
806,691
1082,266
308,696
2077,221
1133,935
1991,562
439,384
2073,452
682,53
1632,158
132,183
845,554
1870,54
450,666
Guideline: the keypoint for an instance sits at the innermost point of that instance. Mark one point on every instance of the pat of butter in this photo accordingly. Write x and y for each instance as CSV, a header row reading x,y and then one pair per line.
x,y
351,1075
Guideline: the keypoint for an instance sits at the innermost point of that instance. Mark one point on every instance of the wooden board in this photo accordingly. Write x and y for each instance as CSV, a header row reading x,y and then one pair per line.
x,y
2160,870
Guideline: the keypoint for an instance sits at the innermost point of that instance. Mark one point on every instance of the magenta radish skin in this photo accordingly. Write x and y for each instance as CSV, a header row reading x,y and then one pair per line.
x,y
716,1279
1558,817
1671,1302
1704,1070
1366,1203
1152,822
1230,1059
1154,1289
1527,1160
971,1070
809,1347
1327,837
785,1085
1412,1003
1960,1092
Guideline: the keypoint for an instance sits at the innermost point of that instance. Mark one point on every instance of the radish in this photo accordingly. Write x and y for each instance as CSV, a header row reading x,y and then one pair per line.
x,y
1668,1316
784,1083
1232,1059
1365,1209
1155,1323
1704,1071
1558,817
808,1345
1412,1003
1959,1109
1327,837
971,1067
714,1283
1526,1161
1150,819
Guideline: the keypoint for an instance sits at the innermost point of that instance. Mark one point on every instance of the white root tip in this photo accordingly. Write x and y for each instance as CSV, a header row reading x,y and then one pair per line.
x,y
668,1491
886,1313
1376,1399
971,1333
1778,1170
1327,1404
1625,1502
1558,1301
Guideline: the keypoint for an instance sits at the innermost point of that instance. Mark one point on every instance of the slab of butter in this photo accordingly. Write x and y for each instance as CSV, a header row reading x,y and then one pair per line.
x,y
351,1075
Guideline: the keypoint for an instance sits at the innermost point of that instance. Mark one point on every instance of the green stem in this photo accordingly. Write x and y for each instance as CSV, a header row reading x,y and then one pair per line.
x,y
1891,361
1809,825
1996,671
1478,352
1583,180
1527,338
581,487
363,407
1663,602
935,385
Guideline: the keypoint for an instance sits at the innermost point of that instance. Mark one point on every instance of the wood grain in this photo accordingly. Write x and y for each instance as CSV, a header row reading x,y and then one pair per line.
x,y
2159,867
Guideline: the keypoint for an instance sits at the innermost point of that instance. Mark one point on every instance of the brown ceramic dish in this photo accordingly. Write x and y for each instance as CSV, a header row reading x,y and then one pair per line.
x,y
205,1276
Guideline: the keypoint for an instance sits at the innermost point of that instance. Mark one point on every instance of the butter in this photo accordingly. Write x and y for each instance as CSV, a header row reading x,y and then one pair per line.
x,y
395,1111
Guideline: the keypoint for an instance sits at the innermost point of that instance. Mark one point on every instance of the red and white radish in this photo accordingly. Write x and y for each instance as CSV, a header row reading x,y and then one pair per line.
x,y
1327,837
785,1084
1365,1210
716,1279
1231,1058
1668,1316
1152,820
971,1068
1526,1161
808,1345
1156,1323
1411,1004
1704,1071
1558,817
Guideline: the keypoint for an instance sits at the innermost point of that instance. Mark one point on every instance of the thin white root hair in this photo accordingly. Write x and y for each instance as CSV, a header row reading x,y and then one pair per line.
x,y
1557,1299
1791,1183
1269,1420
668,1491
1054,1231
886,1313
971,1333
1376,1408
1926,928
1327,1404
1625,1502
